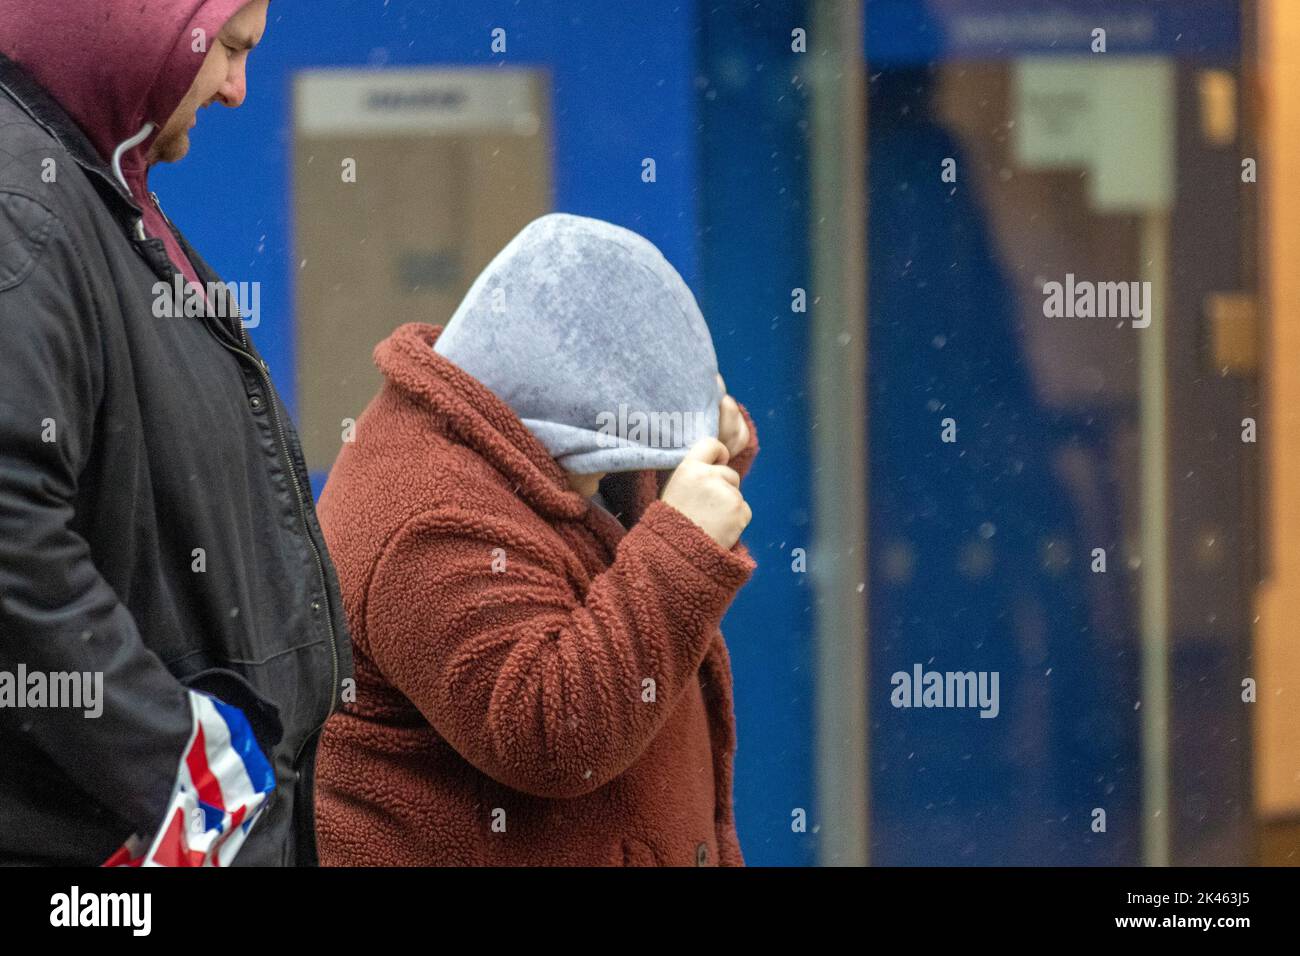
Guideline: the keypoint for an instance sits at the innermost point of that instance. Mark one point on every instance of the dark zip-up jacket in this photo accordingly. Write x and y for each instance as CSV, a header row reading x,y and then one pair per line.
x,y
156,520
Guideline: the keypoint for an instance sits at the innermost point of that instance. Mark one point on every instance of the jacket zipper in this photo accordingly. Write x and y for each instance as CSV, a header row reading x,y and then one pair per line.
x,y
265,373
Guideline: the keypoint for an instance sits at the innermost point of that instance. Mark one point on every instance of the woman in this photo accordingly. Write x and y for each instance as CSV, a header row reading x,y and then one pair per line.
x,y
536,547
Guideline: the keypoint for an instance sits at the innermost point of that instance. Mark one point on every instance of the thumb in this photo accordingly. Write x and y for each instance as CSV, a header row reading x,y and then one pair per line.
x,y
708,450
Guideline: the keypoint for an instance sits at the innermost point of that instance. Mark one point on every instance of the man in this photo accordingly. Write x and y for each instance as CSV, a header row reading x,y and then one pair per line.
x,y
157,534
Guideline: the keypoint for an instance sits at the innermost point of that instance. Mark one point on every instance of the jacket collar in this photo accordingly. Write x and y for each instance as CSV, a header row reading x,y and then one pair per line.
x,y
44,110
476,417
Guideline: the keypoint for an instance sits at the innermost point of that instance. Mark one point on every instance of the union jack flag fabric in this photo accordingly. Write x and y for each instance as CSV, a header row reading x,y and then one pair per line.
x,y
222,785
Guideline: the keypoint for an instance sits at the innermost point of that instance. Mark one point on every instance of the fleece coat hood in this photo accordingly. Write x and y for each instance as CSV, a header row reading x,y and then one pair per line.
x,y
591,336
119,68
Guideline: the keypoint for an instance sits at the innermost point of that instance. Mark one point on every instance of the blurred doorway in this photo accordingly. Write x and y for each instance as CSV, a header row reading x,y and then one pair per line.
x,y
420,155
1062,487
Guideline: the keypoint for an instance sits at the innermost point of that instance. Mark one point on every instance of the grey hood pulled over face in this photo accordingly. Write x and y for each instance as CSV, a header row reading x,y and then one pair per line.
x,y
595,341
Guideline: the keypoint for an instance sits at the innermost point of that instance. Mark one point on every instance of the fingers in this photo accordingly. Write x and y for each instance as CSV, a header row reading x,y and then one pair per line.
x,y
707,491
732,429
710,451
729,475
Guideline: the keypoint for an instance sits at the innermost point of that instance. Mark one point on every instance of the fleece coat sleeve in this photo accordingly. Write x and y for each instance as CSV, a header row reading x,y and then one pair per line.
x,y
546,691
745,459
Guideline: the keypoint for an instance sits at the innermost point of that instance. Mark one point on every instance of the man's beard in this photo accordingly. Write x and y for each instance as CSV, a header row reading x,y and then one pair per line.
x,y
171,149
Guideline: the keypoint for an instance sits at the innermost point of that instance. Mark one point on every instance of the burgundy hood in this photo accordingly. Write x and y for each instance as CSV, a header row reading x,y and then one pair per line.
x,y
115,65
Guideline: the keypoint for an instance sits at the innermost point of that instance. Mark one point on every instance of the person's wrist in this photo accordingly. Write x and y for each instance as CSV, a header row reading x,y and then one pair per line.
x,y
730,567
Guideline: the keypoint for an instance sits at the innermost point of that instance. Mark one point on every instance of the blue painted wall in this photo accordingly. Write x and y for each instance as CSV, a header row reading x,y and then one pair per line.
x,y
627,83
754,250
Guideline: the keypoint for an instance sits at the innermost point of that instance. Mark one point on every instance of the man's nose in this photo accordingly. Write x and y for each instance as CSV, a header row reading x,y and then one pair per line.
x,y
235,89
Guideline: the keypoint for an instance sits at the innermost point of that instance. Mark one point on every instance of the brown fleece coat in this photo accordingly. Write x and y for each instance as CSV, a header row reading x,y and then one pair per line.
x,y
536,684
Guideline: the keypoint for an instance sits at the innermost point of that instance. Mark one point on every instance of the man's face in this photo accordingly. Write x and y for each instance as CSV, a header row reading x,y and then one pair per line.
x,y
221,79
